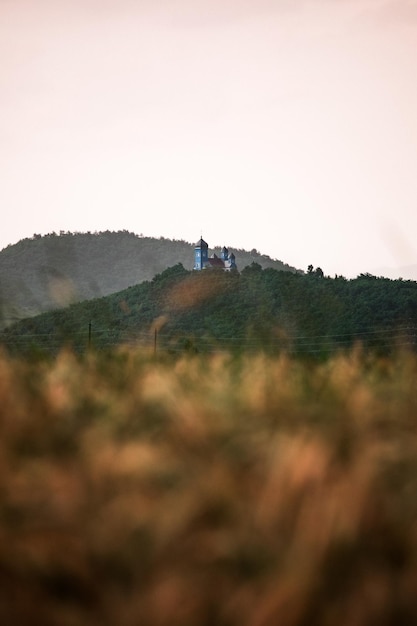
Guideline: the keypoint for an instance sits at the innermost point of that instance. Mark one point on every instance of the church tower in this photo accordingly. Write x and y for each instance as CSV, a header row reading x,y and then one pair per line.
x,y
200,254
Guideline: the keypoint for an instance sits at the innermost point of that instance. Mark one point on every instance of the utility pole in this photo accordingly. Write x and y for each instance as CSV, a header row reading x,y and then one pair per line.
x,y
89,335
154,341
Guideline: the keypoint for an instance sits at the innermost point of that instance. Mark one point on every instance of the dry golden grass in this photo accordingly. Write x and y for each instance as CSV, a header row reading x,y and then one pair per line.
x,y
208,491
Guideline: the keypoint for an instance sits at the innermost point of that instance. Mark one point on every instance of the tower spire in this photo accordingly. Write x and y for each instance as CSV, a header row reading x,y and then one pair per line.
x,y
200,254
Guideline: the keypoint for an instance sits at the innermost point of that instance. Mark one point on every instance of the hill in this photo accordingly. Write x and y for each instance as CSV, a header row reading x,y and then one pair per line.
x,y
256,309
52,271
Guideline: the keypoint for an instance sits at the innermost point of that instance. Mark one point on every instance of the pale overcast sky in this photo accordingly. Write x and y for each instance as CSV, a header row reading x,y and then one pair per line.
x,y
289,126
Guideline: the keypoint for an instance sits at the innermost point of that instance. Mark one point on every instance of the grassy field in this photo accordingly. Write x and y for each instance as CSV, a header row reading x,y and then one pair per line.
x,y
216,491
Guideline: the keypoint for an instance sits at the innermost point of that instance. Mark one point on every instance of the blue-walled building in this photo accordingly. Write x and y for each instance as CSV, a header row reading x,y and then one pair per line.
x,y
202,260
200,254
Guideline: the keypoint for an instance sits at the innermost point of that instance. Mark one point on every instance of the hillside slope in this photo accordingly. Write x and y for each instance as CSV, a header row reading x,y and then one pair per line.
x,y
52,271
253,310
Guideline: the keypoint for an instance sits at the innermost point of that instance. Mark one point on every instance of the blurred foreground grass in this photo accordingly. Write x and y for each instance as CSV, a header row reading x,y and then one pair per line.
x,y
208,491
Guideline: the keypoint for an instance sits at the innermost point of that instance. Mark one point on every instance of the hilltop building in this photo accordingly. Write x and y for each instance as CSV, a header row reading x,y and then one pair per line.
x,y
202,260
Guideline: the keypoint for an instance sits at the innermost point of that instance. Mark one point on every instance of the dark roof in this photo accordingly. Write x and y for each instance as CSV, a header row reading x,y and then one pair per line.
x,y
201,243
214,261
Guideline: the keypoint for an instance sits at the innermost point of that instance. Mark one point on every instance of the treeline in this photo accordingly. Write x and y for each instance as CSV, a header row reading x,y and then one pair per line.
x,y
255,309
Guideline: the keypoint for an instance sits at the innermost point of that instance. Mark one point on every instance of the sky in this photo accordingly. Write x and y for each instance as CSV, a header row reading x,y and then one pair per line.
x,y
288,126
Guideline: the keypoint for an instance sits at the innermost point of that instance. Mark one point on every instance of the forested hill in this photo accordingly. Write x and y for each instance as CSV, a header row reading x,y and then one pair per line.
x,y
214,310
48,272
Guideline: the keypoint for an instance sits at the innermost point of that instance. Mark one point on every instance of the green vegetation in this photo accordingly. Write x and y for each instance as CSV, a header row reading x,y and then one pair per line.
x,y
253,310
208,490
46,272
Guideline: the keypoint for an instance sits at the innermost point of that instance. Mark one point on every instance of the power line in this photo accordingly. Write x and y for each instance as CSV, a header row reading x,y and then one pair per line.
x,y
107,337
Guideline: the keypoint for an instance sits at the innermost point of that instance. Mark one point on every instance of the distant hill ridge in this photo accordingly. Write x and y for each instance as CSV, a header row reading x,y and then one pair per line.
x,y
46,272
